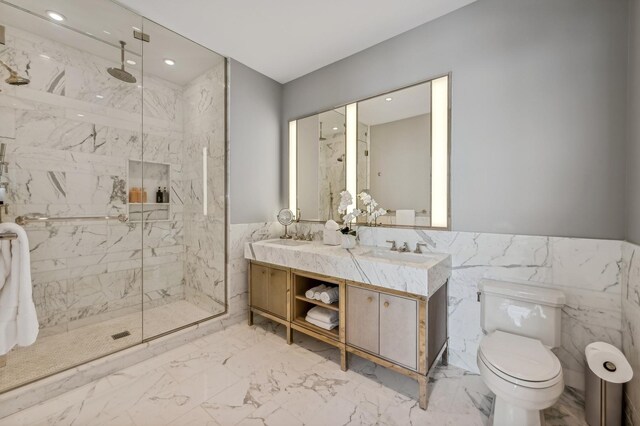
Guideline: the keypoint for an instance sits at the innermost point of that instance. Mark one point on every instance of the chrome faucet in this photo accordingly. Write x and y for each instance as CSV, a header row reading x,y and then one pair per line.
x,y
405,248
418,245
393,245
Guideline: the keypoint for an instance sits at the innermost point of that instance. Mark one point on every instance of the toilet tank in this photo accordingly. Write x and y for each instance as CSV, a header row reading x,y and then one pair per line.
x,y
521,309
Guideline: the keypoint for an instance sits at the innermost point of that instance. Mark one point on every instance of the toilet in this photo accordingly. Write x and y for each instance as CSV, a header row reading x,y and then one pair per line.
x,y
521,324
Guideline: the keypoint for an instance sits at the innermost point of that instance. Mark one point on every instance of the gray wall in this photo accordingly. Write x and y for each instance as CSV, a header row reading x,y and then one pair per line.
x,y
254,138
633,156
538,119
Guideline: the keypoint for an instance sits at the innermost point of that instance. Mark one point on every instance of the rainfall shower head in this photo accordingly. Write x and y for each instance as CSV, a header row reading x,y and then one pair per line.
x,y
120,73
14,79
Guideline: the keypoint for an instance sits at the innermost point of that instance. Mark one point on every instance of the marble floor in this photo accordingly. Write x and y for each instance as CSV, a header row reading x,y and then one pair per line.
x,y
249,376
58,352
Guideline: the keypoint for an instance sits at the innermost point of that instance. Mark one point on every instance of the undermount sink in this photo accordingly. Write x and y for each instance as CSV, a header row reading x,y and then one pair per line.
x,y
403,257
289,242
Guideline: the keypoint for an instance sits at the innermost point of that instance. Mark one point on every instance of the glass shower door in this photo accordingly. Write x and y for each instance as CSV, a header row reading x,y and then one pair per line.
x,y
71,130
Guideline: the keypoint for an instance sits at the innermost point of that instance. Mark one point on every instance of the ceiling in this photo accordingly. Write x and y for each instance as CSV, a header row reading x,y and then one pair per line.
x,y
98,29
286,39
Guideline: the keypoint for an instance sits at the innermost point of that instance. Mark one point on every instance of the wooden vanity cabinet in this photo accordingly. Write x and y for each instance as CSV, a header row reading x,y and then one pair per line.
x,y
269,293
403,332
383,324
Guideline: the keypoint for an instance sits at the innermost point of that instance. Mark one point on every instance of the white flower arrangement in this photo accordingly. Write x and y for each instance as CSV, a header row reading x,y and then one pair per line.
x,y
346,199
373,212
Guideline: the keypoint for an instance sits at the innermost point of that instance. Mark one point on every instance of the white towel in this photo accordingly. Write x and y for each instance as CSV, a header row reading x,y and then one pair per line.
x,y
321,324
18,319
330,295
314,292
406,217
325,315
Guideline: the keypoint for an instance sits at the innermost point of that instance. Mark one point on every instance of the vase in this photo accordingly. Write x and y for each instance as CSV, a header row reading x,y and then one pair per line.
x,y
348,241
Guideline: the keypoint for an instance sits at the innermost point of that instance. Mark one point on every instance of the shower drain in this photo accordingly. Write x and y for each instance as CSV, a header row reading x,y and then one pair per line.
x,y
120,335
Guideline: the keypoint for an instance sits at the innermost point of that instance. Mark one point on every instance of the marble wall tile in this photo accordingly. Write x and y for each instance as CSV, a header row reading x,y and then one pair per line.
x,y
587,271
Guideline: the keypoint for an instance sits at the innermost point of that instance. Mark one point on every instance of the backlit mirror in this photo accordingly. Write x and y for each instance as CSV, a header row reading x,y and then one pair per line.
x,y
394,146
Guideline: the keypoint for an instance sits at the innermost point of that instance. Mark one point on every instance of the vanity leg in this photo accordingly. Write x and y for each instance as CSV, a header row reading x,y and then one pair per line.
x,y
250,317
445,355
423,386
343,359
289,335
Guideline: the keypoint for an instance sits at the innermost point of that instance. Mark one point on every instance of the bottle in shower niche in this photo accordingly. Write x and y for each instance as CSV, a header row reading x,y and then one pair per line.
x,y
165,195
159,196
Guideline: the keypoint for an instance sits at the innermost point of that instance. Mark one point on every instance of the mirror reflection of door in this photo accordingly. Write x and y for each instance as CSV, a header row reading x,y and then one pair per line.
x,y
321,164
394,154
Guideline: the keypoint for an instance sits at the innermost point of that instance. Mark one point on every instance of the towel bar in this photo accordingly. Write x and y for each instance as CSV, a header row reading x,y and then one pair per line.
x,y
23,220
8,236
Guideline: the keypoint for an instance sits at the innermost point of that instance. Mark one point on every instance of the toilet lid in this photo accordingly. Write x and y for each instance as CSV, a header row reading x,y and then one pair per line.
x,y
520,357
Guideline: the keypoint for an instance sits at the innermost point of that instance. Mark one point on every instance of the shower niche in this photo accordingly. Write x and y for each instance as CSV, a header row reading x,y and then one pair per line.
x,y
145,178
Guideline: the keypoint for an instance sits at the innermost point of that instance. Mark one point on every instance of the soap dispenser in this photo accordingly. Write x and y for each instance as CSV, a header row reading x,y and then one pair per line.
x,y
159,195
165,195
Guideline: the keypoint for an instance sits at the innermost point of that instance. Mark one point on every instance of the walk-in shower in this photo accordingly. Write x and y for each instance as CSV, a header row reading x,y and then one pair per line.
x,y
103,125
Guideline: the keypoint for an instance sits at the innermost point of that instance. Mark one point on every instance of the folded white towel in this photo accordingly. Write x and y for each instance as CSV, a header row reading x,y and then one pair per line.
x,y
330,295
406,217
318,290
18,319
314,291
323,314
321,324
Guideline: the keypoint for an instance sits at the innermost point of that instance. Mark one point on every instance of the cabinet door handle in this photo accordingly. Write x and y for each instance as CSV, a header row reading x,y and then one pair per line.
x,y
386,304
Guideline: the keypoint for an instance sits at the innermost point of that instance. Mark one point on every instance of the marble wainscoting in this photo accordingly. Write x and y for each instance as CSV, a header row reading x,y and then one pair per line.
x,y
70,134
586,270
631,327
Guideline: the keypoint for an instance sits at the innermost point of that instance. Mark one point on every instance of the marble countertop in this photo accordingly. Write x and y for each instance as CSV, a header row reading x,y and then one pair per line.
x,y
418,274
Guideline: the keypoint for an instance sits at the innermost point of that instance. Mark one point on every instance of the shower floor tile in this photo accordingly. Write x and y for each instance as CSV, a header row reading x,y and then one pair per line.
x,y
248,375
58,352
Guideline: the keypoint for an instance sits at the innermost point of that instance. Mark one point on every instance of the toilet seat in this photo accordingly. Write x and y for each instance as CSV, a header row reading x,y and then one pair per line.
x,y
520,360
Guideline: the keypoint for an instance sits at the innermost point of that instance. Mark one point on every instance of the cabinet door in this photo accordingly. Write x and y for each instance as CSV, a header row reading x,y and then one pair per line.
x,y
362,318
278,292
259,286
399,330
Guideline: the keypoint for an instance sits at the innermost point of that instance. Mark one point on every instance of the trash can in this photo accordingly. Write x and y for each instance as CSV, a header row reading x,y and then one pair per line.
x,y
607,370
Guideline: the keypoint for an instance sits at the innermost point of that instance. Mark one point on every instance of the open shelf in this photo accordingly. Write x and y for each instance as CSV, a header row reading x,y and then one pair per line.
x,y
332,334
334,306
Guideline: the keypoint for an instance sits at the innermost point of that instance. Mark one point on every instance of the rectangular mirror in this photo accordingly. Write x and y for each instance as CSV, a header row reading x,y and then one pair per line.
x,y
394,154
393,146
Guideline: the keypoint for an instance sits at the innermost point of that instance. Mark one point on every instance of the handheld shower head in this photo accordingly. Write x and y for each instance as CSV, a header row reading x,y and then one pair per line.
x,y
14,79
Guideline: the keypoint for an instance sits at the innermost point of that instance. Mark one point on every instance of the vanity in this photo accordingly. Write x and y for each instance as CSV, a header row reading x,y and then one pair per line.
x,y
391,310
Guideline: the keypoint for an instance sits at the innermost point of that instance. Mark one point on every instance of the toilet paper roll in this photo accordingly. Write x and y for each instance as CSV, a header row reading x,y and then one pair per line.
x,y
607,362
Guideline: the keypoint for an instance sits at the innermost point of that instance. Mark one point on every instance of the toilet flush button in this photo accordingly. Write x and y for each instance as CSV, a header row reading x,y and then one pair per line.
x,y
609,366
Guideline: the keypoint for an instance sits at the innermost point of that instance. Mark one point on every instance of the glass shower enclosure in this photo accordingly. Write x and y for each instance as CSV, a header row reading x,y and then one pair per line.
x,y
114,131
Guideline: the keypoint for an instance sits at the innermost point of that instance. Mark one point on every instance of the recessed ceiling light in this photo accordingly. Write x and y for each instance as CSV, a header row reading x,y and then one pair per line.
x,y
99,96
335,128
139,86
55,15
43,56
131,62
106,32
388,99
80,115
169,62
